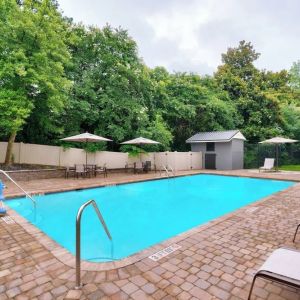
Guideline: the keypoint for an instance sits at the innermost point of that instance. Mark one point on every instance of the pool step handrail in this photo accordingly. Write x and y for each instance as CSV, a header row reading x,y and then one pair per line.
x,y
171,169
15,183
78,239
164,168
167,169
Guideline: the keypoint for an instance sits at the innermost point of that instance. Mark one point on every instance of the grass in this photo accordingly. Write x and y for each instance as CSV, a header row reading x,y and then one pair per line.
x,y
290,168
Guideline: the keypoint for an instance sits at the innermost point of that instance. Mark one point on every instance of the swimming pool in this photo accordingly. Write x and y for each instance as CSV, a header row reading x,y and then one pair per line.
x,y
142,214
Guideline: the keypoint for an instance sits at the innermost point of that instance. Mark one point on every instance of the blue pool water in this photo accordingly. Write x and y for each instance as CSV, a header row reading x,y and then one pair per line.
x,y
139,215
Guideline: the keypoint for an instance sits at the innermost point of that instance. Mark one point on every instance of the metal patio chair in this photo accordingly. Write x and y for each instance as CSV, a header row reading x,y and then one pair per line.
x,y
69,171
101,170
282,266
147,166
81,170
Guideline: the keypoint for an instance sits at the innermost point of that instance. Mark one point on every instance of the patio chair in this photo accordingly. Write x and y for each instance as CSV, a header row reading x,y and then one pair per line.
x,y
68,171
282,266
268,165
2,209
81,170
101,170
147,166
137,167
91,169
296,233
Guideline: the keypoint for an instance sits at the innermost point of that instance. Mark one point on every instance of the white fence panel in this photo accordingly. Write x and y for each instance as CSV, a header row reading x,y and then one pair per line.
x,y
39,154
182,161
197,160
71,156
113,160
59,156
143,157
3,146
16,151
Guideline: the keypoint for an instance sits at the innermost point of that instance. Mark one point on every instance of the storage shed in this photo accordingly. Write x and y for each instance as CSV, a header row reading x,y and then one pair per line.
x,y
221,150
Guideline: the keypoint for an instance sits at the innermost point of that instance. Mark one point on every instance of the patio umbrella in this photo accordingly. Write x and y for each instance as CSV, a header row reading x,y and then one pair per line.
x,y
86,138
278,141
140,141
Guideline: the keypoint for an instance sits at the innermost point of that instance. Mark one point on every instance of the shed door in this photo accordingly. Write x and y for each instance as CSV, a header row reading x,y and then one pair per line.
x,y
210,161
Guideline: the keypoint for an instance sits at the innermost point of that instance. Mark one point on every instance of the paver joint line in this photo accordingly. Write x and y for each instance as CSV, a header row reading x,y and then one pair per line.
x,y
214,262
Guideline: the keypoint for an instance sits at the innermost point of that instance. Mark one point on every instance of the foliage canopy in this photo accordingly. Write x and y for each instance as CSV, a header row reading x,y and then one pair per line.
x,y
59,78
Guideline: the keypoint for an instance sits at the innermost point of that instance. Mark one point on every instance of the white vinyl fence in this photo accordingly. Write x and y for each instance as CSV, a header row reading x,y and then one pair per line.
x,y
177,160
58,156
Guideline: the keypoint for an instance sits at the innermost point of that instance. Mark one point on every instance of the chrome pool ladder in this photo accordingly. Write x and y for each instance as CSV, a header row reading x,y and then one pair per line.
x,y
167,169
15,183
78,239
171,169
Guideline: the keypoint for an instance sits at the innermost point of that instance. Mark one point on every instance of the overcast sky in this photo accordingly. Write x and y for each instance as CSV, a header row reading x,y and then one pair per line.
x,y
191,35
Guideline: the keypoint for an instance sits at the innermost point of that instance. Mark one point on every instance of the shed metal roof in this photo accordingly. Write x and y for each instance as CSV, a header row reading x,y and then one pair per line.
x,y
216,136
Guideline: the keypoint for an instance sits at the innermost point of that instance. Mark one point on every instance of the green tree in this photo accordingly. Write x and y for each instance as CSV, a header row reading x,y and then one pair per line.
x,y
291,117
295,76
189,103
109,90
32,59
254,92
158,130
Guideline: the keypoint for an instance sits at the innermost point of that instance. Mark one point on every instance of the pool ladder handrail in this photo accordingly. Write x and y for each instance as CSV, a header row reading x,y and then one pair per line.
x,y
167,169
163,168
78,239
171,169
14,182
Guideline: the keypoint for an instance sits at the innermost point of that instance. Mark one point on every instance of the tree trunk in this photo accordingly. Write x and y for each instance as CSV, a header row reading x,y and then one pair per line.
x,y
9,149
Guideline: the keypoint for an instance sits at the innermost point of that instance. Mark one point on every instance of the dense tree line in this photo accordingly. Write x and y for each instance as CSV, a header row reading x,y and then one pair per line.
x,y
59,78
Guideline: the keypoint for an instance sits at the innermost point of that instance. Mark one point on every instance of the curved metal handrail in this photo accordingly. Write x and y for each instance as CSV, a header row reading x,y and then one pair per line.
x,y
167,169
78,240
14,182
163,168
171,169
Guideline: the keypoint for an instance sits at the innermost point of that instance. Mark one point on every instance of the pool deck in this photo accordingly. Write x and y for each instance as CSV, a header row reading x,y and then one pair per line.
x,y
215,261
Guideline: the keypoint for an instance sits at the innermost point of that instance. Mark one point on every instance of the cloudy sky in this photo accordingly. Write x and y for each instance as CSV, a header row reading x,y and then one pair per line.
x,y
191,35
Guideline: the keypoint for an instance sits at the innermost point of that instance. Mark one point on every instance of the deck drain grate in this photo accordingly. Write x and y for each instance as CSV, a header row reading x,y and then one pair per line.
x,y
163,253
8,220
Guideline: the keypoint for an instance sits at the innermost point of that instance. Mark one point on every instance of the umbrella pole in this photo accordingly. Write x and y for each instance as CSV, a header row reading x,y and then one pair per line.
x,y
140,153
277,157
86,154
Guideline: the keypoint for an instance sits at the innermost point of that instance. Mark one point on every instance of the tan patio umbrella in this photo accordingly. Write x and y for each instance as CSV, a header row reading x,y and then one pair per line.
x,y
86,138
278,141
140,141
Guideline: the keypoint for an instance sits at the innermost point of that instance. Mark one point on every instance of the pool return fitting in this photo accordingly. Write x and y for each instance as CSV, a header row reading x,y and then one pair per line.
x,y
78,241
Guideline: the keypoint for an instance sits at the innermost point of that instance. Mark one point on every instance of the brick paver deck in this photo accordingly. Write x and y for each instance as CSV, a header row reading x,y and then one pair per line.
x,y
214,263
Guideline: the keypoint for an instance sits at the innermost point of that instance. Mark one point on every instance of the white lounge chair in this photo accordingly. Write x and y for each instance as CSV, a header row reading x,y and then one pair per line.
x,y
268,165
283,266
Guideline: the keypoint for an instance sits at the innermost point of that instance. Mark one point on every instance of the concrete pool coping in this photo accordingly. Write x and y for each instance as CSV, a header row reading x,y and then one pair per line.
x,y
136,179
64,256
294,177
